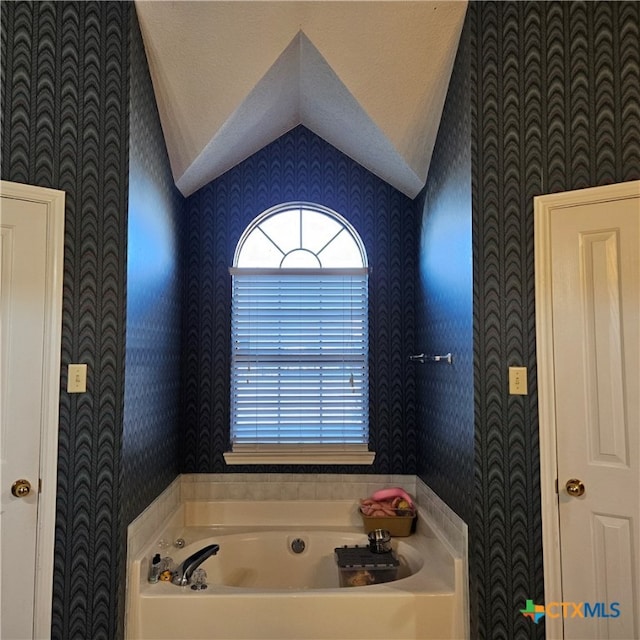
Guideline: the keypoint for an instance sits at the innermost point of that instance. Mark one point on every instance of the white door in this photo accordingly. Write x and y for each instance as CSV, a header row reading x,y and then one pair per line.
x,y
594,291
31,244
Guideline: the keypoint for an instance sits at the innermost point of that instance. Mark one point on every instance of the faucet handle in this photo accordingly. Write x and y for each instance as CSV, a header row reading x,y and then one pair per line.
x,y
199,579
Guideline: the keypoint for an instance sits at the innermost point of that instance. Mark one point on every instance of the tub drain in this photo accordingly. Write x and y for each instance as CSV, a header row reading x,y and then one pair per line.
x,y
298,545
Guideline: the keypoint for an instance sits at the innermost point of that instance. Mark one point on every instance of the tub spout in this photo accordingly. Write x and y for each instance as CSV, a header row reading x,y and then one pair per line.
x,y
186,569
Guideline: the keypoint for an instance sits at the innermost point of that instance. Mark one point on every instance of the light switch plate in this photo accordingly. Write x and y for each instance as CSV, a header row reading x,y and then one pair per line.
x,y
77,378
518,381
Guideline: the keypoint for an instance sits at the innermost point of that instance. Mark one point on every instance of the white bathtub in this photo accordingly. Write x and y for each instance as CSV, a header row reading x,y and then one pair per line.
x,y
264,560
259,589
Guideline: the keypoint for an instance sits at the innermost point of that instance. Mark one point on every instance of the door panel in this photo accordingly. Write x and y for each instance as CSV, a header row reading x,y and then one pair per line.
x,y
22,298
595,251
604,368
31,254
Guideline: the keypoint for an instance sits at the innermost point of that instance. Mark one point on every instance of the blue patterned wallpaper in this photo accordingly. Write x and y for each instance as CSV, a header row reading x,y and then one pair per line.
x,y
555,95
555,105
444,302
299,166
151,430
65,103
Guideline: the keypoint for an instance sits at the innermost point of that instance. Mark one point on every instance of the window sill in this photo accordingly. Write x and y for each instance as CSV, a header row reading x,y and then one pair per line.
x,y
282,454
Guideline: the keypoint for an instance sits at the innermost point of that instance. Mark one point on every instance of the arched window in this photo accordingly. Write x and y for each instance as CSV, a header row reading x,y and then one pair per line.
x,y
299,362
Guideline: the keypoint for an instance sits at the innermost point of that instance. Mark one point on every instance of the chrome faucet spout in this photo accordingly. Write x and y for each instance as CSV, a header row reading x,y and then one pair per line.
x,y
186,569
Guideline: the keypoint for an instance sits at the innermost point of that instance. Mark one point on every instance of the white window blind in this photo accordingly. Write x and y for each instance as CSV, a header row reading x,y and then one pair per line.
x,y
299,363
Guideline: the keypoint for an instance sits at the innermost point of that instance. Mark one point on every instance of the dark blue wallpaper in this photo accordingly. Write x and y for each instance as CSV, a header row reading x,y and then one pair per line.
x,y
555,104
151,431
65,103
299,166
444,303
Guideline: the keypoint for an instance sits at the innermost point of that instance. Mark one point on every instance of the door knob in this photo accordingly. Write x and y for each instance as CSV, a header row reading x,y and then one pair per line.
x,y
575,487
21,488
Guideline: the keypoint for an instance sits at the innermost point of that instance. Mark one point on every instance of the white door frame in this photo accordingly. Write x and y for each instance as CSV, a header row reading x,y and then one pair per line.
x,y
54,202
544,207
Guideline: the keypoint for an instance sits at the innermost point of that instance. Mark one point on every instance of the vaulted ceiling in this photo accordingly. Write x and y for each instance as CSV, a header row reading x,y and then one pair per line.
x,y
369,77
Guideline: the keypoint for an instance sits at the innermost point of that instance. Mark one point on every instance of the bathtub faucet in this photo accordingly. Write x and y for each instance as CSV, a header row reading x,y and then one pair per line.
x,y
186,569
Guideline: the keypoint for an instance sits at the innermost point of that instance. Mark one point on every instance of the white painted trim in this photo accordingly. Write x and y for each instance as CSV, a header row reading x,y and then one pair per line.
x,y
300,454
54,201
546,411
544,207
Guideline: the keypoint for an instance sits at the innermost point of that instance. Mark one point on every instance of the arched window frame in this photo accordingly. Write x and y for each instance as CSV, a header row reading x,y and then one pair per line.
x,y
320,416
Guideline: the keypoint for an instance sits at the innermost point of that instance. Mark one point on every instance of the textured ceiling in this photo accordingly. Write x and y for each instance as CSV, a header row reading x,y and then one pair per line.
x,y
370,78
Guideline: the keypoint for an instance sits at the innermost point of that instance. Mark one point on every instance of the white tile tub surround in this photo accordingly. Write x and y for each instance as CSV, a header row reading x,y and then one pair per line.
x,y
177,507
453,532
283,486
445,523
165,514
168,507
166,511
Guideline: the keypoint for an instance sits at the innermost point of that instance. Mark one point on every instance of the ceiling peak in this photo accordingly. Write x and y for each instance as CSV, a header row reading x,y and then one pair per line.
x,y
370,78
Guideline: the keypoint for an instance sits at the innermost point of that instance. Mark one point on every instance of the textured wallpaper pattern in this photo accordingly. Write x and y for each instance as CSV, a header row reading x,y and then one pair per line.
x,y
65,114
299,166
444,297
151,431
555,106
555,95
